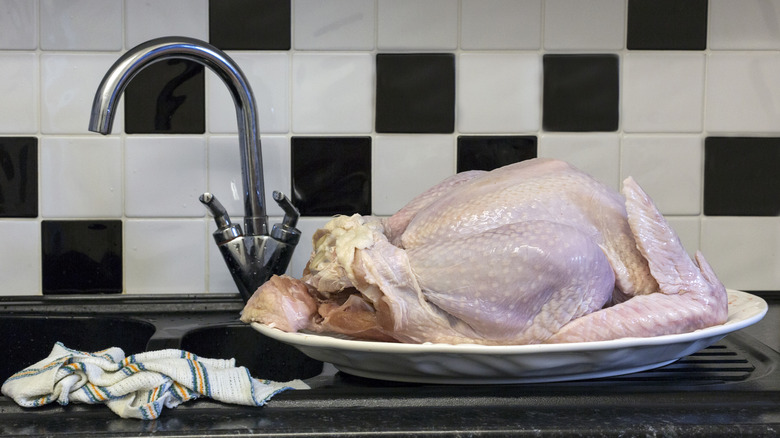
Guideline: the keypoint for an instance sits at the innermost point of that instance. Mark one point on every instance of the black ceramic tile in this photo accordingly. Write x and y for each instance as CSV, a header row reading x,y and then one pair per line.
x,y
81,256
415,93
741,176
331,175
18,177
167,97
250,24
667,25
580,93
491,152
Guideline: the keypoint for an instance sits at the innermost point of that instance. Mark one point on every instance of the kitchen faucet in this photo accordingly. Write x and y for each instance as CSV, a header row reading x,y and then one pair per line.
x,y
252,256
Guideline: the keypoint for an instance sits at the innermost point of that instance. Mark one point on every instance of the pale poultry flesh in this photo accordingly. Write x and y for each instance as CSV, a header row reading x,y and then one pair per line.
x,y
533,252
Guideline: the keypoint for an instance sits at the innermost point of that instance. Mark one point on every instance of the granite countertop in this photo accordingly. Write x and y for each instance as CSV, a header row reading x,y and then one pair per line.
x,y
740,396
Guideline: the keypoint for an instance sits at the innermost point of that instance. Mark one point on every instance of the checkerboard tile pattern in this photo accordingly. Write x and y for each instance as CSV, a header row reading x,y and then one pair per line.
x,y
362,105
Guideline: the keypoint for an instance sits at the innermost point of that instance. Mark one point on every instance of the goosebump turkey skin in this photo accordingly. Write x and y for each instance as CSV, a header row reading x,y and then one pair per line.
x,y
533,252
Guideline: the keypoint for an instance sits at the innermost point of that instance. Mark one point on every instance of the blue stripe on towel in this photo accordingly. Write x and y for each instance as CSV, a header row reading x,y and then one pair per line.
x,y
100,354
206,380
86,390
252,387
153,386
30,372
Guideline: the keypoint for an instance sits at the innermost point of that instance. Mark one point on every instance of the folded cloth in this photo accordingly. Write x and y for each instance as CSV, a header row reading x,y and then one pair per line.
x,y
137,386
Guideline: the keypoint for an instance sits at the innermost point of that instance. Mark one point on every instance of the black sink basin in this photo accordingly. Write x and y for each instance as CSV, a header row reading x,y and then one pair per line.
x,y
203,325
265,358
27,339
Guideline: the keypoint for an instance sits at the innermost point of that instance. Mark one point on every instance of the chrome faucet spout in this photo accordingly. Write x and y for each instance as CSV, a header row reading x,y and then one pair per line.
x,y
131,63
254,255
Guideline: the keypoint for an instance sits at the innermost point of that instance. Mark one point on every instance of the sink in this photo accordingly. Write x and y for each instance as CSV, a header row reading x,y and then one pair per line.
x,y
28,339
264,357
206,325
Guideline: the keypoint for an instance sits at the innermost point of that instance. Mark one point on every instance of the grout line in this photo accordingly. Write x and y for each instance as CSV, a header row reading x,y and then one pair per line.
x,y
457,52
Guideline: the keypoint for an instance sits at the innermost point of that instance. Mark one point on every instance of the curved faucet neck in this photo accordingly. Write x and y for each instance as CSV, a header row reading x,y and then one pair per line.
x,y
131,63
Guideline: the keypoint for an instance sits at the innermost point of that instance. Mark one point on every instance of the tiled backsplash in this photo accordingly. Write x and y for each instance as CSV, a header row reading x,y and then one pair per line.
x,y
365,103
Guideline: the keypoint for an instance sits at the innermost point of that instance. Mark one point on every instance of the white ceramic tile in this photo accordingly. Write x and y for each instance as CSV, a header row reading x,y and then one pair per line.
x,y
742,93
668,168
225,172
499,92
688,229
81,25
18,25
663,92
584,25
19,91
165,256
20,259
405,166
334,25
333,93
276,168
148,19
416,25
81,177
595,154
68,85
269,76
746,24
500,24
743,251
164,176
307,225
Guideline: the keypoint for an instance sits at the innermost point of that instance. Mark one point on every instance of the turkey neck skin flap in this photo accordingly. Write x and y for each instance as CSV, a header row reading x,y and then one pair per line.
x,y
533,252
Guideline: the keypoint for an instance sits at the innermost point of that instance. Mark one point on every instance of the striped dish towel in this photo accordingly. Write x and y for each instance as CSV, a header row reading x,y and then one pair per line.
x,y
137,386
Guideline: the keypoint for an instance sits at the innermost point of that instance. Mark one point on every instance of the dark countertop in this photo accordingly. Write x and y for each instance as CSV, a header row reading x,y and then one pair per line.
x,y
730,389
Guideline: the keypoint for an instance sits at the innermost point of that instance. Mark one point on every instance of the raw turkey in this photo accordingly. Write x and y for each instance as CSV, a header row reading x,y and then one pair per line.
x,y
533,252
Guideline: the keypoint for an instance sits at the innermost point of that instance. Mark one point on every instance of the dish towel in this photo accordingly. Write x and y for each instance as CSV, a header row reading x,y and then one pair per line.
x,y
137,386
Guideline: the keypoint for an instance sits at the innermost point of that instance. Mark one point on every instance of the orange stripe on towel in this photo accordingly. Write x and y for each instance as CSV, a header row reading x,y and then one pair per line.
x,y
95,392
153,394
150,412
201,383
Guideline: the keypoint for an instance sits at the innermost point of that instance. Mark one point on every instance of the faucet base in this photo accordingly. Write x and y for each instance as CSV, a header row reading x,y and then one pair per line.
x,y
252,260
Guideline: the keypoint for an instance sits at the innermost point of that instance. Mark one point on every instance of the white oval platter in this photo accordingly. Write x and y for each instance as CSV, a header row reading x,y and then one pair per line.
x,y
480,364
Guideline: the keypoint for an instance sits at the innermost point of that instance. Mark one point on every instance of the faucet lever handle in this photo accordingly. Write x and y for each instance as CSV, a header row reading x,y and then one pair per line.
x,y
225,229
291,213
286,231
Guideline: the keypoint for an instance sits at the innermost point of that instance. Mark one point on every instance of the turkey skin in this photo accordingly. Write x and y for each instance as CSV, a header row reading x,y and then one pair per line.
x,y
533,252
